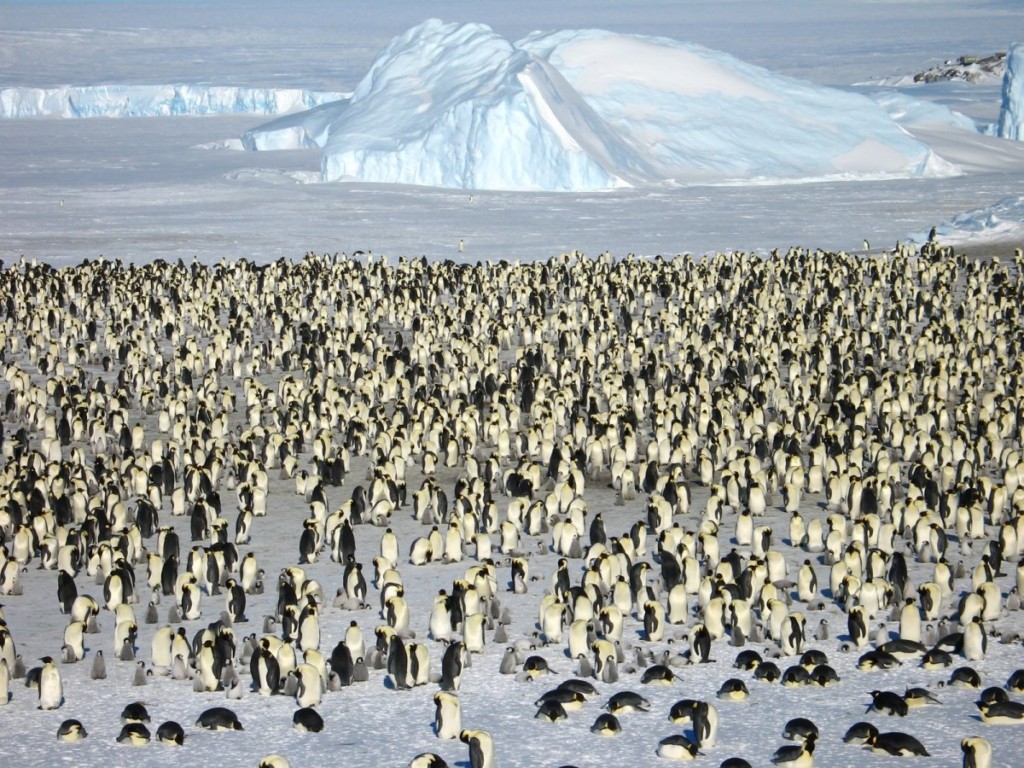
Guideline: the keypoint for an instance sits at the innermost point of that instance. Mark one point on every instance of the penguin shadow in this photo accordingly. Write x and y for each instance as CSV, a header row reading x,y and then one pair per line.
x,y
691,734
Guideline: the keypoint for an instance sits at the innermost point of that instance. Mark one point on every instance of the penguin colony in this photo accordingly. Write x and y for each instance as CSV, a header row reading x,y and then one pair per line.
x,y
639,495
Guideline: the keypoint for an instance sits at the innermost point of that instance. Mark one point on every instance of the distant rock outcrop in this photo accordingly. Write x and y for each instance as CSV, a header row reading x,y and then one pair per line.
x,y
970,69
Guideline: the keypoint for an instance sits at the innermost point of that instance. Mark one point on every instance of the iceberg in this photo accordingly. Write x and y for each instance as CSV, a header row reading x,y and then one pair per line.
x,y
1011,112
459,106
156,100
907,110
706,115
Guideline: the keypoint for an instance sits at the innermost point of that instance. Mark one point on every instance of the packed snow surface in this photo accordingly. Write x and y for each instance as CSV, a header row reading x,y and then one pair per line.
x,y
457,105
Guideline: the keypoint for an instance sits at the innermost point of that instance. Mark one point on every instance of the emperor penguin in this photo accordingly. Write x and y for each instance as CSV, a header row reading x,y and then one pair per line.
x,y
581,633
744,528
398,663
265,670
440,618
425,760
654,621
792,639
84,608
170,733
250,573
235,600
473,633
360,672
310,690
509,662
161,645
74,641
606,724
447,715
520,570
857,625
930,595
354,640
342,665
799,729
206,673
420,551
677,747
396,611
218,719
309,628
897,744
977,752
134,735
354,581
481,748
51,690
910,621
389,547
452,663
714,617
139,676
822,632
307,720
700,645
99,667
797,524
5,683
66,591
419,663
796,755
705,724
807,582
190,599
975,640
71,730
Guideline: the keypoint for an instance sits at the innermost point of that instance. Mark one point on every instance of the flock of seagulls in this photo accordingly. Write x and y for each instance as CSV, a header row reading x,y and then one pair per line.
x,y
633,469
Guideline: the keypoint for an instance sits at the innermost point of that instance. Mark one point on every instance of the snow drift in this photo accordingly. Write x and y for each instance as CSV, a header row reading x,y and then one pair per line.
x,y
456,105
1002,220
155,100
1011,114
